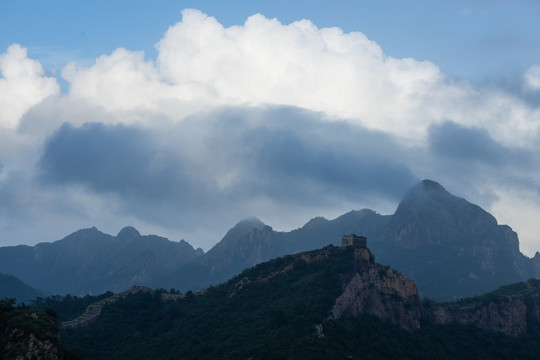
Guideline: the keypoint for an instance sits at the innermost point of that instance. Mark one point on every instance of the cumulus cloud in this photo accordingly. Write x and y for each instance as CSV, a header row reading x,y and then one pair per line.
x,y
23,83
120,81
200,63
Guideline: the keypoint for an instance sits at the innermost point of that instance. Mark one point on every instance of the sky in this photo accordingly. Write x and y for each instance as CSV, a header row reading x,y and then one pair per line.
x,y
182,118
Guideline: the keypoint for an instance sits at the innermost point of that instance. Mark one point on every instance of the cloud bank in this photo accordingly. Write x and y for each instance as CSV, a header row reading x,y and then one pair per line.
x,y
284,122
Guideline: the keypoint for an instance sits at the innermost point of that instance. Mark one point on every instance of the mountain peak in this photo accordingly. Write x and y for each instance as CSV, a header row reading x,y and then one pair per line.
x,y
315,222
427,187
430,185
241,228
250,222
129,232
444,217
427,195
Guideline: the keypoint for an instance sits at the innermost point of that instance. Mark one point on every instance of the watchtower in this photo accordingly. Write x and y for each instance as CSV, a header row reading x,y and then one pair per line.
x,y
354,240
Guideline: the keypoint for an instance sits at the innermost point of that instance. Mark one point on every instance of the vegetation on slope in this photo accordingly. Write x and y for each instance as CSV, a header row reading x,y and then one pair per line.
x,y
276,310
29,334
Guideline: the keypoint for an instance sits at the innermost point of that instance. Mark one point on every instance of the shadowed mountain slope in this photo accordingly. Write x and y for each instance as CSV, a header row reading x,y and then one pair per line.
x,y
251,242
12,287
89,261
330,303
449,246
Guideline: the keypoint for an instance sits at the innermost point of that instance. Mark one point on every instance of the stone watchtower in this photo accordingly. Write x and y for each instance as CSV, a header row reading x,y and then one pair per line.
x,y
354,240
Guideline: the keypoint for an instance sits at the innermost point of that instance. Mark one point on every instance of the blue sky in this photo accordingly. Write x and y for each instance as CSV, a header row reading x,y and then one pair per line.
x,y
182,122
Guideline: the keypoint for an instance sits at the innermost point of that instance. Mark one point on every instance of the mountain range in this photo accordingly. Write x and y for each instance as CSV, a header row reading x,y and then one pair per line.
x,y
330,303
450,247
89,261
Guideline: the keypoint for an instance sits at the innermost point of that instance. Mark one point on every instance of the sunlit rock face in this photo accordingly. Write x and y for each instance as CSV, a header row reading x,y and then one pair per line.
x,y
381,291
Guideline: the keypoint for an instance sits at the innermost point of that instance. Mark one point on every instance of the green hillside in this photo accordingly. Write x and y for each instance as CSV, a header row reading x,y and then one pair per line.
x,y
282,309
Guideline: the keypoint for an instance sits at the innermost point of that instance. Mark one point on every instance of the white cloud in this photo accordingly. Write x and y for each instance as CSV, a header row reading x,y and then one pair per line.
x,y
264,61
532,78
201,63
23,83
344,75
120,81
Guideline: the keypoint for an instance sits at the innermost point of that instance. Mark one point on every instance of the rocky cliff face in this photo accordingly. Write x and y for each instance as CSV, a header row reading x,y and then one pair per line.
x,y
28,334
508,310
386,293
378,290
29,347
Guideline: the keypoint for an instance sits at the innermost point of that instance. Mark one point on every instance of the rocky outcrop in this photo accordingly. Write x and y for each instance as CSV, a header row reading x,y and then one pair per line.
x,y
507,310
386,293
33,347
381,291
509,318
28,334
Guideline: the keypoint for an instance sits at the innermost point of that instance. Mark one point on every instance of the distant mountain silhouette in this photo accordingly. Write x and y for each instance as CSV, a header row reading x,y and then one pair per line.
x,y
89,261
12,287
251,242
449,246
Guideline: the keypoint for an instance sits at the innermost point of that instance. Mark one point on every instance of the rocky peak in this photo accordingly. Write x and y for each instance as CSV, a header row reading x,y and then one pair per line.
x,y
233,235
80,235
128,233
315,223
429,215
250,222
434,232
427,194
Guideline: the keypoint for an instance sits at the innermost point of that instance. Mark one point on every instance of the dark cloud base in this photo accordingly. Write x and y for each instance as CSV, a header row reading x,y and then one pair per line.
x,y
227,156
219,166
